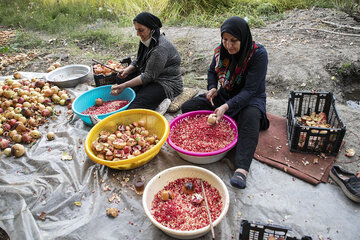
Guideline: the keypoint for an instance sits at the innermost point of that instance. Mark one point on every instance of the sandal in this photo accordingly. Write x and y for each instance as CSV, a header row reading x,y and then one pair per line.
x,y
238,180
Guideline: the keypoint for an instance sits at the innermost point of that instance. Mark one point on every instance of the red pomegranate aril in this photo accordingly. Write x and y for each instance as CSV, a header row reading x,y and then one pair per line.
x,y
106,107
194,134
183,212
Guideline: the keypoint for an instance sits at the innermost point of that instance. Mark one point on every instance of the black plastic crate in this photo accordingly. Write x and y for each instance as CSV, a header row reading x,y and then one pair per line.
x,y
101,80
259,231
314,139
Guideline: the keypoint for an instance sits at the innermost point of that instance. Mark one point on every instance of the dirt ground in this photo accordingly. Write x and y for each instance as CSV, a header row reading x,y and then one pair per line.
x,y
309,50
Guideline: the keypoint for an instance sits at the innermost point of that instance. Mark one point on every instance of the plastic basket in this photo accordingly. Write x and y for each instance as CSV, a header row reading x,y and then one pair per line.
x,y
259,231
101,80
313,139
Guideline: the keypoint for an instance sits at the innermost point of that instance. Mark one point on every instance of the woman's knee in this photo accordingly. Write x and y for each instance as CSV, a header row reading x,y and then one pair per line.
x,y
249,117
194,104
187,106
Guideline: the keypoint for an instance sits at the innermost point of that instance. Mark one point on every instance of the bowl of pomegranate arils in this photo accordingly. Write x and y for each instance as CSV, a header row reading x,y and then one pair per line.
x,y
198,139
127,139
99,102
174,202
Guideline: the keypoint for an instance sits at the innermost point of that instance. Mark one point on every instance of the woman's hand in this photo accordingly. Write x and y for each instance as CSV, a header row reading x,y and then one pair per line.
x,y
117,89
211,94
220,111
122,74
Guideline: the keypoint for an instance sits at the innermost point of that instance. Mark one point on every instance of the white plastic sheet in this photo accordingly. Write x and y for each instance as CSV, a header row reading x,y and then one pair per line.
x,y
41,181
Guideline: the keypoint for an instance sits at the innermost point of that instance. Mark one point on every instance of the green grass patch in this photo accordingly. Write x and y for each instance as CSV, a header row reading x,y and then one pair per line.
x,y
26,40
106,38
347,5
53,16
8,48
344,68
56,16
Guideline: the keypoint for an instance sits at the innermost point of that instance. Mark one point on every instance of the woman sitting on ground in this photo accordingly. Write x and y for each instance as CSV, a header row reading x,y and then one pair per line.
x,y
240,65
155,73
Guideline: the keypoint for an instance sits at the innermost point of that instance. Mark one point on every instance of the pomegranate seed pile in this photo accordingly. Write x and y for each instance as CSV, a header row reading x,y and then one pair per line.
x,y
107,107
194,134
180,212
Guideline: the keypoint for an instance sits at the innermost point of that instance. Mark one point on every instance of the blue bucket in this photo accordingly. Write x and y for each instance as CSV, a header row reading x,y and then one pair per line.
x,y
87,100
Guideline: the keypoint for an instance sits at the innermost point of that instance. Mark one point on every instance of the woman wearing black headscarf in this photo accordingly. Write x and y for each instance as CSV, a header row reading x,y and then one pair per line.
x,y
155,73
239,65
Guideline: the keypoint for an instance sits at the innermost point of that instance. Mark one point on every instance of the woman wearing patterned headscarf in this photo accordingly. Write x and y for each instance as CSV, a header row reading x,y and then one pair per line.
x,y
239,65
155,73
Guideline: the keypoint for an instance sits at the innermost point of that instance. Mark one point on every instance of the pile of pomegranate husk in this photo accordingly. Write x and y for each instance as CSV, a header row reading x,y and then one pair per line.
x,y
126,142
24,106
314,120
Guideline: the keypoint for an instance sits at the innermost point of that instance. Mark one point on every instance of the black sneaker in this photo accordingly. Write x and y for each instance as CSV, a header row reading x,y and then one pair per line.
x,y
349,183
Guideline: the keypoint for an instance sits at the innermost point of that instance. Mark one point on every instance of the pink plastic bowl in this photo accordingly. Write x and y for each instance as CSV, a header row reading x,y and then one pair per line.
x,y
201,157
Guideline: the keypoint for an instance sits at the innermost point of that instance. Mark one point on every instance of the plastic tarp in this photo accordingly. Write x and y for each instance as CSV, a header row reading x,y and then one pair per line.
x,y
74,194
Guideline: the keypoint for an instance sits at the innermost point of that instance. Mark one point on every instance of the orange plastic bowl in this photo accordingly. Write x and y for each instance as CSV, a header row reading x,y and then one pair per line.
x,y
155,124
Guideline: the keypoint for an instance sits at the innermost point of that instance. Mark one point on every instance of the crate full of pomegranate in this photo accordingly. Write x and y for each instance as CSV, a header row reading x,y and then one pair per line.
x,y
106,75
313,123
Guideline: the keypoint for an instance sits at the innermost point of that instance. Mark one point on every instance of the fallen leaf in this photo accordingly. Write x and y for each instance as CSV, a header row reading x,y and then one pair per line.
x,y
77,204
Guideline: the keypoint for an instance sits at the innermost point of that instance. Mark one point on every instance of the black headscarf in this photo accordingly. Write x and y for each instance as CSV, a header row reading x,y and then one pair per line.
x,y
149,20
239,28
154,24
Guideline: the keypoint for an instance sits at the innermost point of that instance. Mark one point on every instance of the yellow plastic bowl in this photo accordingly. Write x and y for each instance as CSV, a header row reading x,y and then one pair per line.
x,y
155,124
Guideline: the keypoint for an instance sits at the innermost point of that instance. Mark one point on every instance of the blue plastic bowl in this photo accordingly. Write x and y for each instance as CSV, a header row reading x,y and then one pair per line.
x,y
87,99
